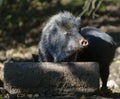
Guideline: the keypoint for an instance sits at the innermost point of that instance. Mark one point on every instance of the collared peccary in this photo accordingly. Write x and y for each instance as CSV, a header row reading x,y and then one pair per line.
x,y
101,49
61,40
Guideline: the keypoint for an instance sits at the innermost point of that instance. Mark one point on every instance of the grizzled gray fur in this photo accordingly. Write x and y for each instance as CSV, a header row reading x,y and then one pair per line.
x,y
61,38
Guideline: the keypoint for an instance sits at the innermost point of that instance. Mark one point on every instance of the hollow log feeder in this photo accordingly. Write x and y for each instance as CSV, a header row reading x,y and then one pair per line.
x,y
51,79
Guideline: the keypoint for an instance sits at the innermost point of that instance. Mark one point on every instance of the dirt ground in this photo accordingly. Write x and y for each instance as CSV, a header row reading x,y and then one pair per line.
x,y
109,24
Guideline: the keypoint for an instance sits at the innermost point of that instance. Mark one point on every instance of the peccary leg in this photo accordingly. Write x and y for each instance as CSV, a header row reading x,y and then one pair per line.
x,y
104,73
35,58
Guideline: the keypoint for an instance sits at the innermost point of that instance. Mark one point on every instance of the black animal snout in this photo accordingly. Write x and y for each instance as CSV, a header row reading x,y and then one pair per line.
x,y
83,42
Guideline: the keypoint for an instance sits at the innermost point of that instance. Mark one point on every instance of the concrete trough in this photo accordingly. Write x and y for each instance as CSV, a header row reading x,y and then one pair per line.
x,y
51,79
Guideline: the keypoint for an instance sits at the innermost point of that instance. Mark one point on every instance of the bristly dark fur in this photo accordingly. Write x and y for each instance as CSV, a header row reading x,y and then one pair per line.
x,y
60,37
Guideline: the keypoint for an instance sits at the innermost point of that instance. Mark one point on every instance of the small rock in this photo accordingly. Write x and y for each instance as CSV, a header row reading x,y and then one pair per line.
x,y
7,96
2,55
118,50
112,84
9,53
36,95
29,95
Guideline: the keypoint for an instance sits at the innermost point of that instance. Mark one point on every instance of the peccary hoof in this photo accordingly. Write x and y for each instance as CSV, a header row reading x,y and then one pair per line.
x,y
47,78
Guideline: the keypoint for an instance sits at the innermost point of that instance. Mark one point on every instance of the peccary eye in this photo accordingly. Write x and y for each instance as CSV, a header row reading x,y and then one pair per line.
x,y
54,29
66,33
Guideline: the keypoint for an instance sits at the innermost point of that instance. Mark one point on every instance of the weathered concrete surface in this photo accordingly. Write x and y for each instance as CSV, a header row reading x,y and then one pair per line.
x,y
1,74
51,78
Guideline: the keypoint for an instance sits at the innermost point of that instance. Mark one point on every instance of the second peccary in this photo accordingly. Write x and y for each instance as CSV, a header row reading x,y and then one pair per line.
x,y
61,40
101,49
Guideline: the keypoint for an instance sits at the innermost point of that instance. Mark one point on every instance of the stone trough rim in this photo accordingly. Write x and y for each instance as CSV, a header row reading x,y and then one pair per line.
x,y
48,67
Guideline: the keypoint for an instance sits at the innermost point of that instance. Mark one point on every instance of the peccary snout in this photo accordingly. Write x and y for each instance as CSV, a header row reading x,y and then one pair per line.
x,y
83,42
